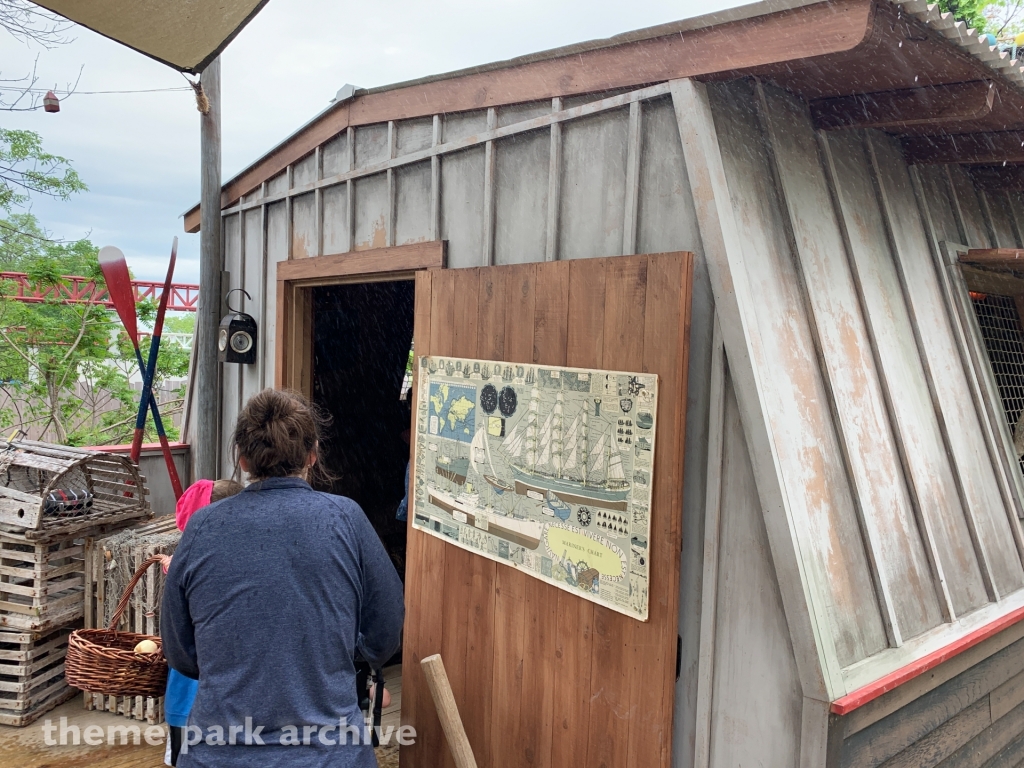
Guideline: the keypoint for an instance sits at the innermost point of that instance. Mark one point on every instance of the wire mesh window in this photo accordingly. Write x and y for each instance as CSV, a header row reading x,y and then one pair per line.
x,y
1004,340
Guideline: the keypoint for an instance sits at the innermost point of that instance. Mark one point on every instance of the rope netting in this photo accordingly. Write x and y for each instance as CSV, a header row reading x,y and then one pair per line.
x,y
123,553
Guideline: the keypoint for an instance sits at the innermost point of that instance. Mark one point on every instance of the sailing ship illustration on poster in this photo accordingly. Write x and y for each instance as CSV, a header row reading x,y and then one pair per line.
x,y
569,468
547,470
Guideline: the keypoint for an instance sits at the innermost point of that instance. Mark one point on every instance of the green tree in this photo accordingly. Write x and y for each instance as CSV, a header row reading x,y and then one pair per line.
x,y
25,244
27,169
1005,19
970,11
65,369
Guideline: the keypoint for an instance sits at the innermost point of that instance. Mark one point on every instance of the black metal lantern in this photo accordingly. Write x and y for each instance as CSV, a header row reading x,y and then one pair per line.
x,y
236,340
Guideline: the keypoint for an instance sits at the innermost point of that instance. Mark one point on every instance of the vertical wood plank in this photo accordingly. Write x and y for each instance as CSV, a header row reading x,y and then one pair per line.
x,y
634,139
489,165
350,206
536,716
261,299
284,312
435,182
573,651
554,184
510,591
712,525
616,663
491,303
318,205
424,579
389,225
665,350
288,212
459,340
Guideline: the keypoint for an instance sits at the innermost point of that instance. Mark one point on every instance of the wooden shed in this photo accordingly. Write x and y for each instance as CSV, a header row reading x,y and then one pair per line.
x,y
803,217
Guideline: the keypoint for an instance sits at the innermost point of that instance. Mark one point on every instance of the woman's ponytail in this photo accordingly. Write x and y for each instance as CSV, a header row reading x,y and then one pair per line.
x,y
276,432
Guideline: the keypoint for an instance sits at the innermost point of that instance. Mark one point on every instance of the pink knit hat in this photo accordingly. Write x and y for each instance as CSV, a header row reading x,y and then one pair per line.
x,y
195,497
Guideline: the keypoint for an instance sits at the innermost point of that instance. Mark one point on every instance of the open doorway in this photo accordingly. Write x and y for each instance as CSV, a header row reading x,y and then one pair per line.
x,y
362,335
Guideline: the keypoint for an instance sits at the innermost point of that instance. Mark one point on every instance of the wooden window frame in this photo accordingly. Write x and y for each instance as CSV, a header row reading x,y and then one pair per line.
x,y
296,278
959,275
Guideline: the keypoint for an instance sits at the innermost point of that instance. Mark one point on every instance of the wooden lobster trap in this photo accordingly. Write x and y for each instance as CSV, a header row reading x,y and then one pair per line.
x,y
50,491
32,674
42,583
109,561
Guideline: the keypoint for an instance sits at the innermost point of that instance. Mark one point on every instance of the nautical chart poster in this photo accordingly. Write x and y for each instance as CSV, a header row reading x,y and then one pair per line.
x,y
547,469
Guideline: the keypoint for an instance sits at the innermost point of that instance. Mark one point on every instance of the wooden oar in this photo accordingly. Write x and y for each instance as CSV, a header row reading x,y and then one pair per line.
x,y
119,287
150,374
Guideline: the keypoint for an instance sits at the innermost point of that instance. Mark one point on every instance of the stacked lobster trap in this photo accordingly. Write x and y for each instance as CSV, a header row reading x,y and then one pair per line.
x,y
109,565
52,498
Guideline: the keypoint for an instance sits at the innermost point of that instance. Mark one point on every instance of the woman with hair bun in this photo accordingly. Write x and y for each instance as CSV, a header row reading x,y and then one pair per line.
x,y
270,595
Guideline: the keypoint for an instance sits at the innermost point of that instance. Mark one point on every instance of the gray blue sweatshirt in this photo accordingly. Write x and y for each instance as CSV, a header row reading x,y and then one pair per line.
x,y
269,596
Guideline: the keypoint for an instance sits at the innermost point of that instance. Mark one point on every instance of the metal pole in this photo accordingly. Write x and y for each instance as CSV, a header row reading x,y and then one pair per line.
x,y
206,446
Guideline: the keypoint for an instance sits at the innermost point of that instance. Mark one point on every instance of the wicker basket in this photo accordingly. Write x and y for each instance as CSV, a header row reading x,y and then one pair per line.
x,y
104,660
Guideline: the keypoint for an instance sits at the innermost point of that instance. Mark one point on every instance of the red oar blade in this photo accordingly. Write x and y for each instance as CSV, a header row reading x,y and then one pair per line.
x,y
119,286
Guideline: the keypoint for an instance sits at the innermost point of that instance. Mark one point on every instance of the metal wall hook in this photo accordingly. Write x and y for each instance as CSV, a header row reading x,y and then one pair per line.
x,y
236,311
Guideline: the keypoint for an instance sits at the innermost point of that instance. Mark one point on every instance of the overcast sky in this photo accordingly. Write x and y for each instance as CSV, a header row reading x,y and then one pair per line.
x,y
139,153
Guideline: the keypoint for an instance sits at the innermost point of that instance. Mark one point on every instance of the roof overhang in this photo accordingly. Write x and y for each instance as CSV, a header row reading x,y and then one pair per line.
x,y
186,35
898,65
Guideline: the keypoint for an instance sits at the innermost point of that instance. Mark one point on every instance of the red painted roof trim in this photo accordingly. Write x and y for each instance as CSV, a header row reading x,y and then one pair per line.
x,y
872,691
128,448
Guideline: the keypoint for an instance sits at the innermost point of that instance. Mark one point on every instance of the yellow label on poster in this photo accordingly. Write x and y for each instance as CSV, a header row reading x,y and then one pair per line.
x,y
577,546
494,427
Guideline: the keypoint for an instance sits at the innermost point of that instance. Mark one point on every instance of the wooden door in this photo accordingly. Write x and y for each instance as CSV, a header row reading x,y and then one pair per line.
x,y
543,677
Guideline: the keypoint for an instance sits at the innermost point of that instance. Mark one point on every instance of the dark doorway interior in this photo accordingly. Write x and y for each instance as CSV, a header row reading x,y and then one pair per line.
x,y
362,333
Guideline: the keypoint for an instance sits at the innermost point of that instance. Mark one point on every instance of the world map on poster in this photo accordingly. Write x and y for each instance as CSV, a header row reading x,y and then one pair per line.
x,y
544,468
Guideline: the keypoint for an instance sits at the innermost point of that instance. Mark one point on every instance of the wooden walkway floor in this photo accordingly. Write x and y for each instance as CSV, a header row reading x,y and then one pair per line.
x,y
25,748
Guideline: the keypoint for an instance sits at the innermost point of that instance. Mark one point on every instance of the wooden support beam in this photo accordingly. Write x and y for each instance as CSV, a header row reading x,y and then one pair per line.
x,y
399,258
999,283
554,184
435,182
389,226
914,106
998,178
967,148
1005,258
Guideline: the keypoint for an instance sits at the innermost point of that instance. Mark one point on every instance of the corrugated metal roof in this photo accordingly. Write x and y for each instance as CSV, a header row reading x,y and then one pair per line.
x,y
966,38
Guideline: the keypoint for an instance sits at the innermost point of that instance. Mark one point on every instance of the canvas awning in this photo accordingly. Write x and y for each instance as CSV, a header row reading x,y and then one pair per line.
x,y
186,35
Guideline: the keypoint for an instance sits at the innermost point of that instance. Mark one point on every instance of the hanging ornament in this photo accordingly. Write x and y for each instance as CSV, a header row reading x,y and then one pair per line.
x,y
50,102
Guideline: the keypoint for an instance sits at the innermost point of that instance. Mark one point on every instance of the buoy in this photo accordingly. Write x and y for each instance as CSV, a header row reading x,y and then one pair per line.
x,y
50,102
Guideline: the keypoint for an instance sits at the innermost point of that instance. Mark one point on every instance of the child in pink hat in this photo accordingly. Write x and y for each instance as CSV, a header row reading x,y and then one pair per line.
x,y
181,690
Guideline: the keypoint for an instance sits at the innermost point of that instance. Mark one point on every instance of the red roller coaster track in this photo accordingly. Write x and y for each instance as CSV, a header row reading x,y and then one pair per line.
x,y
83,290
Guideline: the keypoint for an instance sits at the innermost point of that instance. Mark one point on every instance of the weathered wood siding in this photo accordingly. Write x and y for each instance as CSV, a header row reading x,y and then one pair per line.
x,y
887,503
890,512
966,712
748,671
903,512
